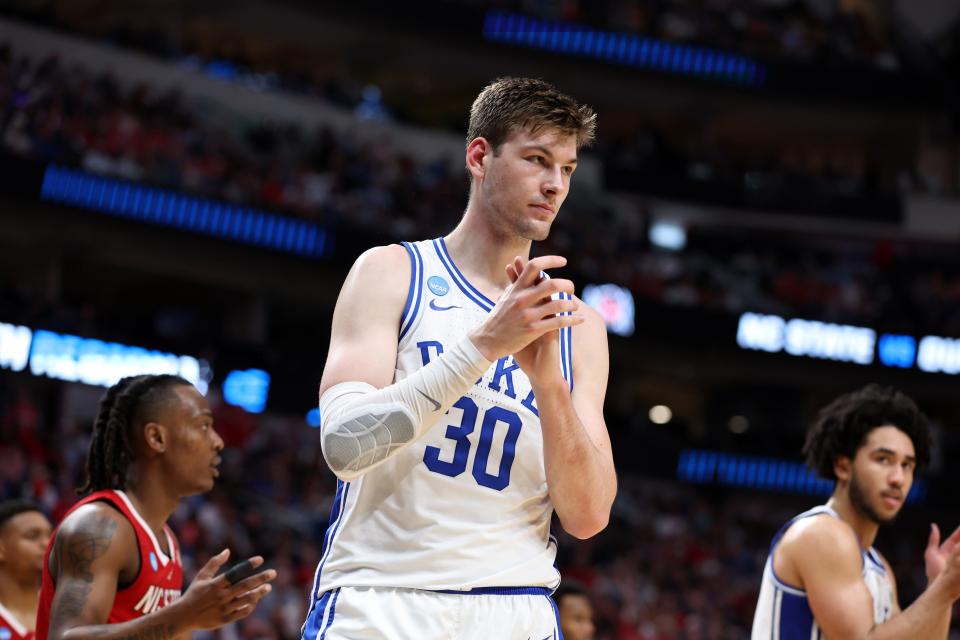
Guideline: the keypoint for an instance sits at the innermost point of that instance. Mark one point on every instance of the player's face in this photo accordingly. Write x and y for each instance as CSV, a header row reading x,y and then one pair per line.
x,y
576,618
23,541
194,449
882,474
528,179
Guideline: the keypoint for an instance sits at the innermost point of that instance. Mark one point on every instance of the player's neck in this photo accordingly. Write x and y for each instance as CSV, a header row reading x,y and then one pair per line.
x,y
865,528
152,499
20,598
482,252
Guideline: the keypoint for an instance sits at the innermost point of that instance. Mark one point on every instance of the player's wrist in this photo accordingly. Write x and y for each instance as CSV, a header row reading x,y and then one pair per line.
x,y
483,345
548,385
942,592
173,619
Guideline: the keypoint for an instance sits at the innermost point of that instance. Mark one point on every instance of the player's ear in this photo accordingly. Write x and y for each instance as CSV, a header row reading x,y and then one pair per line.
x,y
843,468
155,435
477,152
3,551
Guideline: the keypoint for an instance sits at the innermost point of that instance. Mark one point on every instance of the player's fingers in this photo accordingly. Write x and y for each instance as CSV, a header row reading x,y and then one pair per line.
x,y
512,273
544,292
531,270
242,607
528,274
557,322
208,570
250,598
253,582
239,614
551,286
552,307
933,542
518,264
243,570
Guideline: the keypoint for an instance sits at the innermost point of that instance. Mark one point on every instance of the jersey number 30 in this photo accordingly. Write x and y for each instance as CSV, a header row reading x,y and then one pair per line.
x,y
459,433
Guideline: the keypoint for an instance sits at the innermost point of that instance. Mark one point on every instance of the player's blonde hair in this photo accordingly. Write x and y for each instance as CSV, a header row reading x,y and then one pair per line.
x,y
509,104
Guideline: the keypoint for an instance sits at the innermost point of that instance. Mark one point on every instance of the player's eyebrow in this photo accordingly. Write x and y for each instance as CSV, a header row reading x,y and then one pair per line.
x,y
891,452
542,149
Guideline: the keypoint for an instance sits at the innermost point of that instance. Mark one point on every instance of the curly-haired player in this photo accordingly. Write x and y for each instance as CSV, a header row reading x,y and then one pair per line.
x,y
823,578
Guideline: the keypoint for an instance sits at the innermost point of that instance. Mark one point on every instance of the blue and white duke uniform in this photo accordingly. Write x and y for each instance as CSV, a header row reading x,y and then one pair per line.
x,y
451,536
783,611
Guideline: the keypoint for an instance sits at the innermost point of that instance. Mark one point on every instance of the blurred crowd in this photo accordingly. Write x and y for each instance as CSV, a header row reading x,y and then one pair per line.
x,y
54,112
882,282
803,31
789,172
678,562
852,33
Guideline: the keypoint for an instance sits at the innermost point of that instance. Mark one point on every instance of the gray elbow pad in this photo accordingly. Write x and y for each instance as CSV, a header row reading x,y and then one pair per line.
x,y
358,443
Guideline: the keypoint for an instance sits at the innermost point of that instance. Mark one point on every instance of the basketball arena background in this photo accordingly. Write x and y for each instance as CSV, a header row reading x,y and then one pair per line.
x,y
771,217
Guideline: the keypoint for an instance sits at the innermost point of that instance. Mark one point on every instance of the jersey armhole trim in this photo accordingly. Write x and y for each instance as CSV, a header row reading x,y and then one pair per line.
x,y
566,347
784,586
412,307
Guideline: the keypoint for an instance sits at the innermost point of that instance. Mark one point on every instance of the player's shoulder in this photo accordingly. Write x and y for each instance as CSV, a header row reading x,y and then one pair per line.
x,y
380,274
98,524
383,263
594,326
820,538
591,316
384,255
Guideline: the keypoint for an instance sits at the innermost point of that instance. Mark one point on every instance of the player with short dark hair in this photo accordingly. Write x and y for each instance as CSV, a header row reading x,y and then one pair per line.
x,y
112,569
823,578
576,612
24,532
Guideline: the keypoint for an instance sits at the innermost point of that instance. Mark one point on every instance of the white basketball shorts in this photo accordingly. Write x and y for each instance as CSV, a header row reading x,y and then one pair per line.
x,y
367,613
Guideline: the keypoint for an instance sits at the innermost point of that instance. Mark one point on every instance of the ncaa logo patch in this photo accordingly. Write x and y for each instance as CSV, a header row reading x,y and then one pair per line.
x,y
5,634
438,286
153,560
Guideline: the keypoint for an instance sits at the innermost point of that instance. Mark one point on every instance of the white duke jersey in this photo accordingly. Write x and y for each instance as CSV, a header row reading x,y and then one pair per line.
x,y
783,612
466,505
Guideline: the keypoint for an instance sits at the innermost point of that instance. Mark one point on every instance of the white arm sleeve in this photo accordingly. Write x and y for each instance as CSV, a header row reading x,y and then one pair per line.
x,y
363,426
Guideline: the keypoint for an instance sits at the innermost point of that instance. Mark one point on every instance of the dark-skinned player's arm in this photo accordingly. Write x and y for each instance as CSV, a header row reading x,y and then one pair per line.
x,y
89,553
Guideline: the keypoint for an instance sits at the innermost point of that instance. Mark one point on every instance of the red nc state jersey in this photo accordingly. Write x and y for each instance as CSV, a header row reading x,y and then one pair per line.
x,y
11,628
159,582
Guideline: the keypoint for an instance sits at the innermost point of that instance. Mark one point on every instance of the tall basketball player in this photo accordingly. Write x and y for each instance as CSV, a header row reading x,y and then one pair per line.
x,y
112,569
823,578
461,403
24,532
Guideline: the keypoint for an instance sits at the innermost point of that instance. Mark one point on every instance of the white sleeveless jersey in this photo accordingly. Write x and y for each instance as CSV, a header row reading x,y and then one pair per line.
x,y
783,612
466,505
